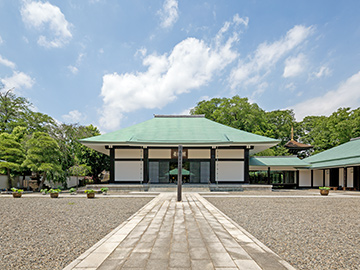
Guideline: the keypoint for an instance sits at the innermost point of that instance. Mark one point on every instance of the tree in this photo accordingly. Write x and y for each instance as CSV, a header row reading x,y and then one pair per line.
x,y
235,112
279,123
12,152
326,132
43,156
11,108
97,161
16,111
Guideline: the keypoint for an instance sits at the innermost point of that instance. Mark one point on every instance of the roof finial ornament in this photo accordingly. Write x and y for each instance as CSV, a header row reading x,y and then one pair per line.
x,y
292,133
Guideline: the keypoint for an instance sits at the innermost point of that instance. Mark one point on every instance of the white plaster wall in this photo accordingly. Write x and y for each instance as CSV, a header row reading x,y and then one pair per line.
x,y
229,171
128,171
318,178
304,178
350,177
70,182
160,153
327,177
341,177
128,153
229,153
3,182
199,153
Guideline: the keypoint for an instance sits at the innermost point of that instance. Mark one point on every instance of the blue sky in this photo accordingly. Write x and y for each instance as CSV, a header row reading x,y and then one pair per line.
x,y
116,63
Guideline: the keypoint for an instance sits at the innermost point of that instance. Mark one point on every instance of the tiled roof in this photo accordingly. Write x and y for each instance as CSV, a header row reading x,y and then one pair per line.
x,y
180,130
343,155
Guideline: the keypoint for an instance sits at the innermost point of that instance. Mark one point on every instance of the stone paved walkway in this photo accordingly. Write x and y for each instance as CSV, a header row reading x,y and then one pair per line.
x,y
192,234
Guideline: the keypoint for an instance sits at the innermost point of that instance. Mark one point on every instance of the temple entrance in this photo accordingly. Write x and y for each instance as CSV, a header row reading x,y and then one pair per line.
x,y
166,172
173,173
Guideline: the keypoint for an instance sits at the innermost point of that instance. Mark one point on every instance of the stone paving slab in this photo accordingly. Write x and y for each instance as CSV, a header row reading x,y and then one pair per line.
x,y
166,234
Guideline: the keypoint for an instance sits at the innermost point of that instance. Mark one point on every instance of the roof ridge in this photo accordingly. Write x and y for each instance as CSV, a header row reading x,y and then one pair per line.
x,y
179,116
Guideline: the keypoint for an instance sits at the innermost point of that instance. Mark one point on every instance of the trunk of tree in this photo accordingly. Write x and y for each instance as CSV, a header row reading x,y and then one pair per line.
x,y
42,181
96,179
9,178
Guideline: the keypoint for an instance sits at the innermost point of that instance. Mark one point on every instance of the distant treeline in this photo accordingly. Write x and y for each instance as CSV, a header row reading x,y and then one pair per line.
x,y
322,132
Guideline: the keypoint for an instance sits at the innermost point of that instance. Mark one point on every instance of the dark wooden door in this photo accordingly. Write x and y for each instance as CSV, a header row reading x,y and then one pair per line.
x,y
334,177
356,177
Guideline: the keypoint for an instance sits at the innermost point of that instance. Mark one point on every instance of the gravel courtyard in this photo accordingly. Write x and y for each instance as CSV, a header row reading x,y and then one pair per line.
x,y
309,233
44,233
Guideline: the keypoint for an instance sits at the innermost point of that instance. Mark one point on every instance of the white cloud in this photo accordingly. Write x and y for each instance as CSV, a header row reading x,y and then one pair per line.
x,y
294,66
191,64
73,117
25,40
239,20
39,14
18,80
185,111
291,86
252,70
346,95
7,63
169,13
74,70
324,71
141,52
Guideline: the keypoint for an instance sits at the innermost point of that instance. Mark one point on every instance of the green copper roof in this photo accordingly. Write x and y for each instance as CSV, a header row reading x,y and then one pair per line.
x,y
336,163
342,155
180,130
283,161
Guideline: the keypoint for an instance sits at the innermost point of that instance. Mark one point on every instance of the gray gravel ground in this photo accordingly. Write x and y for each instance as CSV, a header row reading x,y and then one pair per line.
x,y
44,233
310,233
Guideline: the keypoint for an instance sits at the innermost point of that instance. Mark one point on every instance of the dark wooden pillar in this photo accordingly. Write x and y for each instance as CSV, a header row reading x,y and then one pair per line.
x,y
297,178
212,165
246,166
312,178
112,165
345,178
179,179
323,178
145,165
269,176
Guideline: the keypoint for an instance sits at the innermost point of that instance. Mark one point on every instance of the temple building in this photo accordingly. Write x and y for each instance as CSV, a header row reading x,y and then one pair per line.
x,y
214,154
147,152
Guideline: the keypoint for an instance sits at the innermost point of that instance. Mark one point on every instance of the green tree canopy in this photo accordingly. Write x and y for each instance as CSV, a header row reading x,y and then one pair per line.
x,y
43,155
12,152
